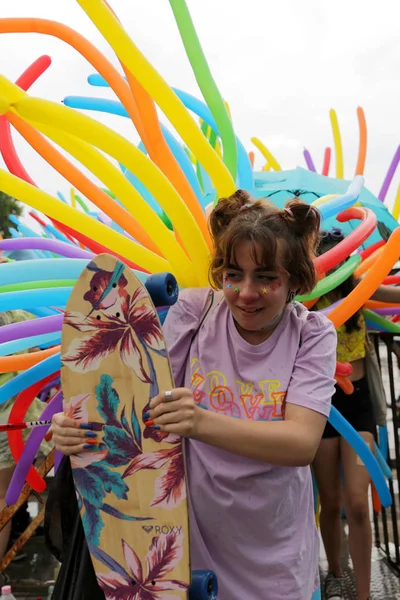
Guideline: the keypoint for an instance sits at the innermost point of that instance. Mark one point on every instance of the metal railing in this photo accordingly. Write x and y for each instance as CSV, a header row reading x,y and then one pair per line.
x,y
387,522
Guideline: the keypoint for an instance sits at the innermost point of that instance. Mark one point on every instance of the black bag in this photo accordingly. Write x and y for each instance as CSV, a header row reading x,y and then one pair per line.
x,y
66,540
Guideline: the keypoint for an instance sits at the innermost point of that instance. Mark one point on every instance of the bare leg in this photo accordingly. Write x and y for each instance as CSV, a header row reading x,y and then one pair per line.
x,y
326,467
5,478
356,484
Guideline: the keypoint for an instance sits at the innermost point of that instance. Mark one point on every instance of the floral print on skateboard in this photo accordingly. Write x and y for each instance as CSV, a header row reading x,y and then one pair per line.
x,y
131,488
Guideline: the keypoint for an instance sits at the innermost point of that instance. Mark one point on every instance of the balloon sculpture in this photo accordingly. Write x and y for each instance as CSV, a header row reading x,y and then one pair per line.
x,y
150,210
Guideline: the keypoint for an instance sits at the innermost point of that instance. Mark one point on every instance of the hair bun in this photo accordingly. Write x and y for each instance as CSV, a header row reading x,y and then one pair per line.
x,y
229,208
304,219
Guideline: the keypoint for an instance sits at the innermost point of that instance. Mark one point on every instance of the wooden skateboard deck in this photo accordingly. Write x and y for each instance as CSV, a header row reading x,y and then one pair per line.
x,y
132,490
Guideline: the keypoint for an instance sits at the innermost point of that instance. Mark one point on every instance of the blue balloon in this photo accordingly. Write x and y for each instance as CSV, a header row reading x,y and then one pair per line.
x,y
15,346
29,377
245,171
24,299
42,311
383,441
317,594
336,205
382,462
351,436
48,269
116,108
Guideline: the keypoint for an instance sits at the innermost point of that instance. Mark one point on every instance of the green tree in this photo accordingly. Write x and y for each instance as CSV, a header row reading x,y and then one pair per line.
x,y
8,206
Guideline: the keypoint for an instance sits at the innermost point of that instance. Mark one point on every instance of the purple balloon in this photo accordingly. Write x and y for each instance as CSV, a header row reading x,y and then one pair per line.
x,y
31,449
388,311
389,175
61,248
328,309
26,329
309,161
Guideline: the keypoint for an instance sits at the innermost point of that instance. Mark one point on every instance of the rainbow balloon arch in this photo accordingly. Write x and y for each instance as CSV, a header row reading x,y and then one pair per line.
x,y
151,209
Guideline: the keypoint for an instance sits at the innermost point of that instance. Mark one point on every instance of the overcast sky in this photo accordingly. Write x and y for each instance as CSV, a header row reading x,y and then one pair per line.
x,y
281,66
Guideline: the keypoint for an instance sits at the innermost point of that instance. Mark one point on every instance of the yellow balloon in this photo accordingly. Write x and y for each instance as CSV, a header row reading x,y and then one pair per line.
x,y
73,199
117,183
55,209
161,93
396,206
273,163
66,119
338,144
324,199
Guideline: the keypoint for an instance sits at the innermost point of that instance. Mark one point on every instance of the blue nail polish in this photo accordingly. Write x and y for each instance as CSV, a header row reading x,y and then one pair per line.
x,y
90,434
155,427
90,447
86,426
146,416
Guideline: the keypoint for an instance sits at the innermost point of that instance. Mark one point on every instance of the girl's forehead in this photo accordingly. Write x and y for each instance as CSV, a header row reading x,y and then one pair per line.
x,y
253,256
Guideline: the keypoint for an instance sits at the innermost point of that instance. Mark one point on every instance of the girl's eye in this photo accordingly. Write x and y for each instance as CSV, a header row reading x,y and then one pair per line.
x,y
267,278
231,275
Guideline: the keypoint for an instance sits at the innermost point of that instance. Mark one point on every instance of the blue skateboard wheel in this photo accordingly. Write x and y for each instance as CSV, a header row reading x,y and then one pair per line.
x,y
163,289
204,586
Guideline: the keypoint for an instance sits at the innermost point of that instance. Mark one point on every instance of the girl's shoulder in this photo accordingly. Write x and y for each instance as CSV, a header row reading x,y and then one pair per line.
x,y
310,322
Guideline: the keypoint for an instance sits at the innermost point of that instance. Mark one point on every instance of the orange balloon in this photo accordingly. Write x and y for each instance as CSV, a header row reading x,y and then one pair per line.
x,y
345,383
362,150
365,289
376,501
367,262
85,48
159,150
373,304
109,206
20,362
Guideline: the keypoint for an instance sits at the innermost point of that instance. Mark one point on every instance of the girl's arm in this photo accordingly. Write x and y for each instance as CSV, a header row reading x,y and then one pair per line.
x,y
387,293
290,443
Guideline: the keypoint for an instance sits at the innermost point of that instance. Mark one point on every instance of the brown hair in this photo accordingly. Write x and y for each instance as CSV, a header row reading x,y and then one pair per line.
x,y
241,218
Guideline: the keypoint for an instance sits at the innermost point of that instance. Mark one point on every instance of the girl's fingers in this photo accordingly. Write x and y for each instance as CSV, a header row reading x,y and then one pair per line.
x,y
171,417
68,432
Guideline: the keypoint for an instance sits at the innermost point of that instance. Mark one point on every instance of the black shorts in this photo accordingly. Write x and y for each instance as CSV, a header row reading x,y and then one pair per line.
x,y
356,408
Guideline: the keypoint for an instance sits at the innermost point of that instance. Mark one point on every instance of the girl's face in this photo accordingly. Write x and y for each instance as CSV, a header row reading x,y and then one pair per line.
x,y
255,294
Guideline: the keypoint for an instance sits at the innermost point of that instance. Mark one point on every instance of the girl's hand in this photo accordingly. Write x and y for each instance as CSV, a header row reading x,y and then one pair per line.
x,y
70,436
178,414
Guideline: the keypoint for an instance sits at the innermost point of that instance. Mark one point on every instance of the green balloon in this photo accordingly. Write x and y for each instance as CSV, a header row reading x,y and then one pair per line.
x,y
333,280
373,317
207,85
37,285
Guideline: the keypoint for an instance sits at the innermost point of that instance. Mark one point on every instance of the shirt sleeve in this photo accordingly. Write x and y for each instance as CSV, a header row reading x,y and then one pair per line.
x,y
312,383
180,325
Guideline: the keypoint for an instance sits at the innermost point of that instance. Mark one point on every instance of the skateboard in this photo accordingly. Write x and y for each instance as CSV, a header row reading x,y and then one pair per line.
x,y
131,485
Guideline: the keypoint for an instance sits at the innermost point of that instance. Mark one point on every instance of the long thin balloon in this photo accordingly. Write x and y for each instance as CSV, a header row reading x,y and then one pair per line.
x,y
161,93
266,154
245,171
396,205
327,162
42,111
206,82
309,161
337,144
116,108
55,246
45,203
28,77
28,329
389,175
370,283
81,182
362,149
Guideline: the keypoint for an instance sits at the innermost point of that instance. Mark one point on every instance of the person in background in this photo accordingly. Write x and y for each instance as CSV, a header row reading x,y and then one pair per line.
x,y
335,457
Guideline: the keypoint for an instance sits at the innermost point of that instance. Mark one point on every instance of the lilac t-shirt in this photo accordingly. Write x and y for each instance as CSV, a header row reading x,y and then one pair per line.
x,y
252,523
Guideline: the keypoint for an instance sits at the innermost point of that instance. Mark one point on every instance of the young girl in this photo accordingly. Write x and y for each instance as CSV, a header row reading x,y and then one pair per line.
x,y
334,452
253,390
